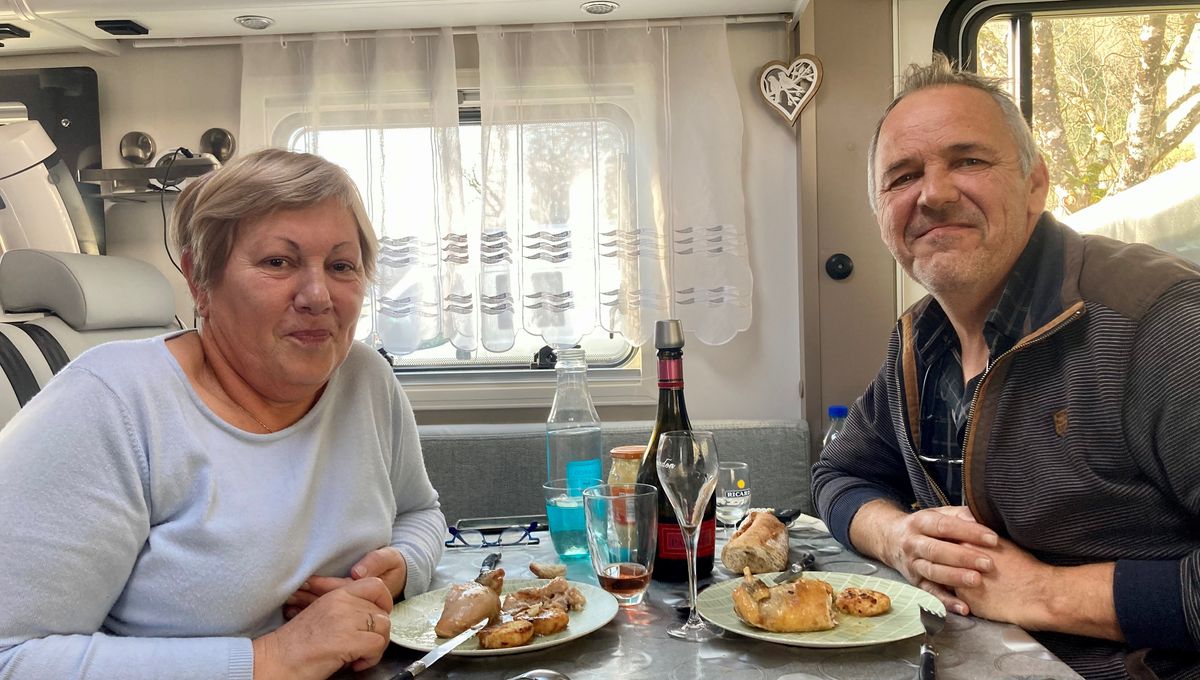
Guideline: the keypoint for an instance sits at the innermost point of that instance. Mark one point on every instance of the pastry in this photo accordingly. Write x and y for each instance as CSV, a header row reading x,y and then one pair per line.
x,y
862,602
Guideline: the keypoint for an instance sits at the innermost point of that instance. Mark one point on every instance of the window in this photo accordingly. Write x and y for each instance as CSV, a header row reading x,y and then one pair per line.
x,y
408,151
1113,96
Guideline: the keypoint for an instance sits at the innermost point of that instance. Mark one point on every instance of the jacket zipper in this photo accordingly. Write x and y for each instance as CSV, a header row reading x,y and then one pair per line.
x,y
983,383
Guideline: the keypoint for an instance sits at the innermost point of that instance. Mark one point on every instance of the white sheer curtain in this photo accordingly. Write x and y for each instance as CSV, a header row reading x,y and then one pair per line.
x,y
608,192
385,107
579,232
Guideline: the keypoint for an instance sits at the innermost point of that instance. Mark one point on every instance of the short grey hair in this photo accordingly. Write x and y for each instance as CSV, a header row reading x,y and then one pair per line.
x,y
940,73
213,208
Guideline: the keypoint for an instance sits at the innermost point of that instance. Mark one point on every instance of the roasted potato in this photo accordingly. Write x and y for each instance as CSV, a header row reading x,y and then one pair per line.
x,y
546,620
503,635
547,570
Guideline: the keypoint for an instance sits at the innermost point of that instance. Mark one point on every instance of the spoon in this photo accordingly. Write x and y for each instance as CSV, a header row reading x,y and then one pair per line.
x,y
541,674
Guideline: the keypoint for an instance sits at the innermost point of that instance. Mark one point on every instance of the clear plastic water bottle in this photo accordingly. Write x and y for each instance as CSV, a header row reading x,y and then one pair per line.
x,y
573,443
837,420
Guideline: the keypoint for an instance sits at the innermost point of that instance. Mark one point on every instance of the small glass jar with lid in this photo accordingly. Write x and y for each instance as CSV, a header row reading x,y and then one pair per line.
x,y
625,462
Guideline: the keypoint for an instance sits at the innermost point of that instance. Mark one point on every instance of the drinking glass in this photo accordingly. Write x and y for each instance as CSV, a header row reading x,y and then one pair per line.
x,y
687,468
622,533
733,494
564,511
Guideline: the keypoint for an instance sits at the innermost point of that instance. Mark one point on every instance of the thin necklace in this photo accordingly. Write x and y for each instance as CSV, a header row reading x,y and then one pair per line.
x,y
236,403
260,423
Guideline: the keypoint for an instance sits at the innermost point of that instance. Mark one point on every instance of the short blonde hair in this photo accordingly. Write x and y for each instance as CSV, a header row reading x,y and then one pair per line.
x,y
211,209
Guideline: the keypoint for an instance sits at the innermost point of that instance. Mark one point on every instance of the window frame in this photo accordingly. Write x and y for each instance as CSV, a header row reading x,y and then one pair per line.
x,y
958,29
624,383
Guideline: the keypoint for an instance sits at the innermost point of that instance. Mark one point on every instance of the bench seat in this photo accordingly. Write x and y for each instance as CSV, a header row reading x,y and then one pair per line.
x,y
498,470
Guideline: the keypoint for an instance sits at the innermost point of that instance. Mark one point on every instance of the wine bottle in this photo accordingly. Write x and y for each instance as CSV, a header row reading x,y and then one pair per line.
x,y
670,560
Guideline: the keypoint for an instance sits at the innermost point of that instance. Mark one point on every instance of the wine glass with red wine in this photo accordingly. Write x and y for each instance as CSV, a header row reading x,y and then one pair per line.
x,y
687,468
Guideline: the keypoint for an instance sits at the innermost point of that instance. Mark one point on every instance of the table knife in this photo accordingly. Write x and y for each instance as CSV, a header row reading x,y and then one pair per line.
x,y
417,667
489,563
787,515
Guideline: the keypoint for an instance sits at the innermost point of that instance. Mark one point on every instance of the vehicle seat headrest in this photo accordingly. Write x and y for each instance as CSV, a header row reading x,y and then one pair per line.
x,y
88,292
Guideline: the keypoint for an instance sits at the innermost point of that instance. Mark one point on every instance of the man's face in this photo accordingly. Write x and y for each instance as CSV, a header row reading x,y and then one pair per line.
x,y
952,203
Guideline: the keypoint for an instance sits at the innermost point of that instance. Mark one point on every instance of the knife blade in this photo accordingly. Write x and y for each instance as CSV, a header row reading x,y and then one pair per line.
x,y
805,561
417,667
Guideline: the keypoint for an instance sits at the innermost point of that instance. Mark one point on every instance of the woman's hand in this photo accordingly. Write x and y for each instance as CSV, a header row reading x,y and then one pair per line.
x,y
348,625
386,564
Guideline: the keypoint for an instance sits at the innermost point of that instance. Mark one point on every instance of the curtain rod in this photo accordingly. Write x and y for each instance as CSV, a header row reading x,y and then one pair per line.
x,y
465,30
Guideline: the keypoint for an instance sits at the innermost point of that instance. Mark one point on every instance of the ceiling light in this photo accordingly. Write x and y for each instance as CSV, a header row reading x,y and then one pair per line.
x,y
254,22
599,6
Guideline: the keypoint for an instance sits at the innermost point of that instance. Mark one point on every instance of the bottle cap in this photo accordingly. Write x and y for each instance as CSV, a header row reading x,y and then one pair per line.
x,y
668,334
628,452
838,411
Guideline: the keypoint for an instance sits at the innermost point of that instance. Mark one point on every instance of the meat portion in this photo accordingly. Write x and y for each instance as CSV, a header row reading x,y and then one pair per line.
x,y
555,593
470,603
530,612
796,607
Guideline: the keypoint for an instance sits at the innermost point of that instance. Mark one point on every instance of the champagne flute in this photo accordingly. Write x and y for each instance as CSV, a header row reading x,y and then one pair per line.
x,y
687,468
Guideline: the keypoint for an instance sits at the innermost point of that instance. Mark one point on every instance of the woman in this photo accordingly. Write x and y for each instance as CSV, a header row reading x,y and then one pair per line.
x,y
243,500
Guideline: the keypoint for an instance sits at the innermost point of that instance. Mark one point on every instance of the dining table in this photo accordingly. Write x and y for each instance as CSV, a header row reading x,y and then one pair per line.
x,y
634,644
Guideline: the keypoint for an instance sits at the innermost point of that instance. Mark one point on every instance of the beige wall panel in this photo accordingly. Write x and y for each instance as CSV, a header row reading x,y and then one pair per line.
x,y
847,331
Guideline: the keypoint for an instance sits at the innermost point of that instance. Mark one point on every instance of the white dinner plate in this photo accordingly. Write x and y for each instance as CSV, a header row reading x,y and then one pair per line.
x,y
413,620
715,605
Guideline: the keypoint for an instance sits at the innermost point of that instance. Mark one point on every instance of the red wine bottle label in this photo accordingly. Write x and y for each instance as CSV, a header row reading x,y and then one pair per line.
x,y
708,538
670,374
670,540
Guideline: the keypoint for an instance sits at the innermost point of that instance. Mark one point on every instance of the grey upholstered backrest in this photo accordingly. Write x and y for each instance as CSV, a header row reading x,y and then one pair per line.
x,y
86,300
498,470
88,292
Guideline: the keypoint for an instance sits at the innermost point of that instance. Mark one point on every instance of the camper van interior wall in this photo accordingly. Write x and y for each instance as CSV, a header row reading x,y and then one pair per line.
x,y
787,88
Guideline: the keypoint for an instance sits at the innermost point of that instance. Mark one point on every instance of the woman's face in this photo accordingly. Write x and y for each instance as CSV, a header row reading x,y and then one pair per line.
x,y
283,311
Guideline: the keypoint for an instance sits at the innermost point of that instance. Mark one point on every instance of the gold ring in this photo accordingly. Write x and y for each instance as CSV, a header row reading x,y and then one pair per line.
x,y
370,623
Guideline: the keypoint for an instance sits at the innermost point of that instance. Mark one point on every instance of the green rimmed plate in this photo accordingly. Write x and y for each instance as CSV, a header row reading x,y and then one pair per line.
x,y
715,605
413,620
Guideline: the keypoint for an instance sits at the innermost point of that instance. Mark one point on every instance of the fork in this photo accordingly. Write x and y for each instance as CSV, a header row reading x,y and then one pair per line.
x,y
933,624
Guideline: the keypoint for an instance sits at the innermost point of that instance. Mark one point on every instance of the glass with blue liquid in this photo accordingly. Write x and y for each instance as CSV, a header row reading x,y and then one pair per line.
x,y
564,510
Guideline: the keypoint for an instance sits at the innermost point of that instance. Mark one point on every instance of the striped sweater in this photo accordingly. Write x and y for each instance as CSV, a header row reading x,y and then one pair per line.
x,y
1082,446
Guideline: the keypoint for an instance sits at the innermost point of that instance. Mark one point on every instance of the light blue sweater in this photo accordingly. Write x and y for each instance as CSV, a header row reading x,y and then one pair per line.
x,y
141,536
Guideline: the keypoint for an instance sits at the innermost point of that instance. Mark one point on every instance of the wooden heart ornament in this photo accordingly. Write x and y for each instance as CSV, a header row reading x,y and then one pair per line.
x,y
788,87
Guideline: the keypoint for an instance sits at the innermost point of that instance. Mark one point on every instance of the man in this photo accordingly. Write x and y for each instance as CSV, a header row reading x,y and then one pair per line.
x,y
1028,452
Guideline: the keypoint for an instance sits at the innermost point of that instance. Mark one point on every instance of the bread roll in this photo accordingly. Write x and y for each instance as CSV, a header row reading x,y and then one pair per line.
x,y
761,544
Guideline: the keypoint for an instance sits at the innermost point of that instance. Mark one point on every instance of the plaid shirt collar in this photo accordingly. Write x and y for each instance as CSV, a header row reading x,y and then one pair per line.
x,y
945,400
